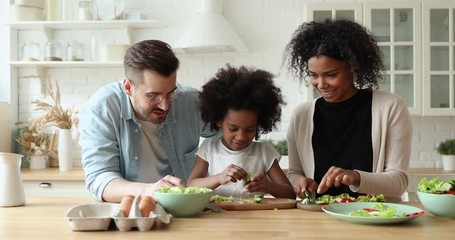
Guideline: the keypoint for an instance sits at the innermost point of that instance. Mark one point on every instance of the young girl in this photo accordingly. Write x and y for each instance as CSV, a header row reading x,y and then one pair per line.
x,y
243,103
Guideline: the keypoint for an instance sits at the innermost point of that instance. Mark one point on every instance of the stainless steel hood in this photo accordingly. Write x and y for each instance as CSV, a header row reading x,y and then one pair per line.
x,y
210,32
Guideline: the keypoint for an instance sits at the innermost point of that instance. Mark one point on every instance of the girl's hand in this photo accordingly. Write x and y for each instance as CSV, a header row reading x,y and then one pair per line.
x,y
336,176
305,184
232,173
259,183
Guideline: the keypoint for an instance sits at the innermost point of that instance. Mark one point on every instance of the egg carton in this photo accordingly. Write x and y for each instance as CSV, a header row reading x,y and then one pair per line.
x,y
98,217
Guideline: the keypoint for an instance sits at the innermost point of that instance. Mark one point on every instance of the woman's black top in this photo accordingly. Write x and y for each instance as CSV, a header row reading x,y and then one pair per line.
x,y
342,137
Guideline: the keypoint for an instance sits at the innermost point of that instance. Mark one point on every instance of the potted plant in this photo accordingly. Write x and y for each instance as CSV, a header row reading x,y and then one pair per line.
x,y
447,149
64,120
282,147
36,144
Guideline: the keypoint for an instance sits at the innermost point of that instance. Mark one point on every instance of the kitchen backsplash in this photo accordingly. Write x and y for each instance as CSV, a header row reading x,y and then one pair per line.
x,y
264,25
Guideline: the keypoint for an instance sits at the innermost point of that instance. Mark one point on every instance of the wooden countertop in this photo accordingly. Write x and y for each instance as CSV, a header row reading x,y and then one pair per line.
x,y
77,174
429,171
44,218
52,174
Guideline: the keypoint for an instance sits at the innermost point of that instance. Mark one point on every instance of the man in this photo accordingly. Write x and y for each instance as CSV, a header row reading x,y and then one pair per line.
x,y
142,133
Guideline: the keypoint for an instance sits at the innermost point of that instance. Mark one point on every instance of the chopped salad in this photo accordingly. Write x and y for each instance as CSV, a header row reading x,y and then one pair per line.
x,y
184,190
436,186
378,210
344,198
382,211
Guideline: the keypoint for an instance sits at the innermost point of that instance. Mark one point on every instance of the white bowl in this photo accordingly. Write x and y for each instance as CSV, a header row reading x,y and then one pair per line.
x,y
441,205
183,204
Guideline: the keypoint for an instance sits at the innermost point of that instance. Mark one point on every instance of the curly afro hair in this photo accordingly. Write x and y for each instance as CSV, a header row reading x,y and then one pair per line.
x,y
343,40
242,88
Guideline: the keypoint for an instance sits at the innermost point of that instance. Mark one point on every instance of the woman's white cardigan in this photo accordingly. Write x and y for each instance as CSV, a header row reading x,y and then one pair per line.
x,y
391,138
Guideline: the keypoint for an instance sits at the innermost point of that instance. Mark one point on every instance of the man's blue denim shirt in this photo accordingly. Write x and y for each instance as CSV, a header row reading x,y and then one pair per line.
x,y
110,136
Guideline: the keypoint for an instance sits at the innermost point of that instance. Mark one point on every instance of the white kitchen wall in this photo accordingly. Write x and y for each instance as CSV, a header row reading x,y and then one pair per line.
x,y
266,27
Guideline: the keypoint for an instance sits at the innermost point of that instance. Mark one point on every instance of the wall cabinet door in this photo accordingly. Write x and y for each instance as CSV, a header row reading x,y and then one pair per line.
x,y
396,26
439,58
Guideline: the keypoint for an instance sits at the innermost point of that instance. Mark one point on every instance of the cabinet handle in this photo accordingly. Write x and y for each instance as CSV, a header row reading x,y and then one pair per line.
x,y
45,185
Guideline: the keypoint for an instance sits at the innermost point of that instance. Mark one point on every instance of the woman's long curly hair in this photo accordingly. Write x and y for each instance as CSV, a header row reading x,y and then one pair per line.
x,y
242,88
343,40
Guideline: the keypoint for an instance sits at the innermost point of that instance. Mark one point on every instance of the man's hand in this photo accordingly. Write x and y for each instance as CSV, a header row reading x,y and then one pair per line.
x,y
167,181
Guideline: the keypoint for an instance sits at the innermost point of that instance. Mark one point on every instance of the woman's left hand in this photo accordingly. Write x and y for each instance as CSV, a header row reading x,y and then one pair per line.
x,y
336,176
259,183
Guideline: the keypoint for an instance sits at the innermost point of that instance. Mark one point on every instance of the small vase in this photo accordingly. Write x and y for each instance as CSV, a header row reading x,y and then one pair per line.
x,y
448,162
65,150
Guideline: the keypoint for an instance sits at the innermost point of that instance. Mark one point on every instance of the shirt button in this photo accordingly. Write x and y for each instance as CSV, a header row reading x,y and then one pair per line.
x,y
136,157
136,130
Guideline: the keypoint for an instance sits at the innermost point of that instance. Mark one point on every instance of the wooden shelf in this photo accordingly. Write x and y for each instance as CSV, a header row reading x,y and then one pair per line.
x,y
430,171
48,174
65,64
63,25
48,27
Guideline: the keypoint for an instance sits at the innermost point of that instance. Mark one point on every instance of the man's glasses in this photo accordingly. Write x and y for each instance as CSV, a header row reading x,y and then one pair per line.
x,y
156,98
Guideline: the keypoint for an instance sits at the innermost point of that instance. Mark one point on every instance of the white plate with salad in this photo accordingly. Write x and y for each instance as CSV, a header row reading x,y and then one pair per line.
x,y
373,213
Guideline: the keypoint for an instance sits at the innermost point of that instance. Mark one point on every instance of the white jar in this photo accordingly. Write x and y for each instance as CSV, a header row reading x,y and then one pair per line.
x,y
84,11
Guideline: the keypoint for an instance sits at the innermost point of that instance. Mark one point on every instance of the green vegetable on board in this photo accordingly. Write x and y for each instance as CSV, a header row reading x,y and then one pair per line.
x,y
248,178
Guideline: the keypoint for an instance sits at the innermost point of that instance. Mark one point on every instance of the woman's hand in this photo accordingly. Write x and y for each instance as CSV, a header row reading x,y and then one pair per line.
x,y
305,184
336,176
259,183
232,173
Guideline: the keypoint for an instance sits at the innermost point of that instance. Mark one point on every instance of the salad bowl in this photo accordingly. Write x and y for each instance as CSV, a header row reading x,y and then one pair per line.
x,y
437,196
441,205
183,201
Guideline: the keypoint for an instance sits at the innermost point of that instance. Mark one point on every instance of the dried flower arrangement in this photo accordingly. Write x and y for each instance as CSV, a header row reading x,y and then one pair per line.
x,y
55,114
35,141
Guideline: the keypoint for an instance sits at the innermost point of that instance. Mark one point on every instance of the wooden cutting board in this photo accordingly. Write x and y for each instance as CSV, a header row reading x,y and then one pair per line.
x,y
310,207
265,204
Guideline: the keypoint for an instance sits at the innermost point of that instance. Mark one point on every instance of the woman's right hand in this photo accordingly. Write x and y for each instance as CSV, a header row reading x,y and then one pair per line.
x,y
305,184
232,173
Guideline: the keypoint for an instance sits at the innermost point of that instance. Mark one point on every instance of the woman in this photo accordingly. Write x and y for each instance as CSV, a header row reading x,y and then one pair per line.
x,y
354,139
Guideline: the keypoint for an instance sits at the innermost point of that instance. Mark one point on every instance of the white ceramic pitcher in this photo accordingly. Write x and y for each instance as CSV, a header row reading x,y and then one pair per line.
x,y
11,186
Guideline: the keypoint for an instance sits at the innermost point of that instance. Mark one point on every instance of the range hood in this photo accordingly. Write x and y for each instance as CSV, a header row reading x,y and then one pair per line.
x,y
210,32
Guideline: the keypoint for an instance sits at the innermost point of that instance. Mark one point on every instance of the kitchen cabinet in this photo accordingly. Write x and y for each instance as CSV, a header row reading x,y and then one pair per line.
x,y
50,182
417,40
396,27
439,58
